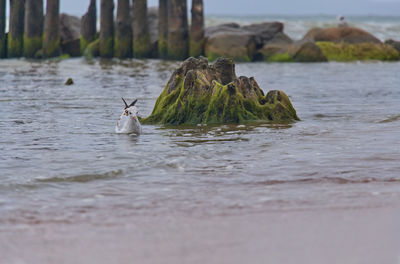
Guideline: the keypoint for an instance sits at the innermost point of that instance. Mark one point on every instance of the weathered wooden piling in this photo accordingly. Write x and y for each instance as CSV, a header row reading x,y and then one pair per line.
x,y
16,28
51,37
178,35
196,47
163,28
141,35
123,31
106,29
88,26
33,34
3,45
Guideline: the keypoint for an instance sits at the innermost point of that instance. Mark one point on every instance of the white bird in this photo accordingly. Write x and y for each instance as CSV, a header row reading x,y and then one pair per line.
x,y
128,122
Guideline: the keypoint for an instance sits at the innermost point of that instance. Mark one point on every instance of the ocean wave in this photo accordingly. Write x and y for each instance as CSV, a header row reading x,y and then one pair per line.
x,y
82,178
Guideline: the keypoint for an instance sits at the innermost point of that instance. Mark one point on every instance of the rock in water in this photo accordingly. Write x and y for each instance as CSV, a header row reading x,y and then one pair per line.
x,y
70,35
199,93
348,35
69,81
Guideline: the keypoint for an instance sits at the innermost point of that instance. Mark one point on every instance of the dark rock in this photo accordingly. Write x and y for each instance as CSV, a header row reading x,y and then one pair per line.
x,y
70,34
395,44
297,52
231,42
243,43
69,82
307,52
348,35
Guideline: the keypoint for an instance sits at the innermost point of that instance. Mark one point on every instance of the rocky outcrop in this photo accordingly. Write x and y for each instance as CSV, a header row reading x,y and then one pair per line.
x,y
243,43
298,52
349,44
362,51
199,93
70,35
395,44
348,35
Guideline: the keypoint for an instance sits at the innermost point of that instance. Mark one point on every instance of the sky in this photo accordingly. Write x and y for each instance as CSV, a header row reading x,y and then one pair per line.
x,y
281,7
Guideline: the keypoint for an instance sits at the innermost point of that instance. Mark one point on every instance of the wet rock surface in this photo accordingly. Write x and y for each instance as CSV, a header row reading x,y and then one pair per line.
x,y
200,93
70,27
350,35
243,43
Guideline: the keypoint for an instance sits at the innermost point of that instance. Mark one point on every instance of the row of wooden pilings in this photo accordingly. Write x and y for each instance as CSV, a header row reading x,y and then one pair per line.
x,y
34,35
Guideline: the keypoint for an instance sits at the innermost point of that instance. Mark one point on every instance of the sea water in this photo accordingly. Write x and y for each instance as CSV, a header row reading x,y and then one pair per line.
x,y
62,165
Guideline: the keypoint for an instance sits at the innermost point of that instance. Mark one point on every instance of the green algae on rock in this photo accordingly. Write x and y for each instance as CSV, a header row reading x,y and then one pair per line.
x,y
361,51
199,93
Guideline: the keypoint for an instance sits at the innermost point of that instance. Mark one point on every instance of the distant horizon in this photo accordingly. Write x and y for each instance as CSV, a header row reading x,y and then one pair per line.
x,y
265,7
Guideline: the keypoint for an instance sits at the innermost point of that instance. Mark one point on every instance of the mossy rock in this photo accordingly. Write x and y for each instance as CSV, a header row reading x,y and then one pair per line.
x,y
296,52
199,93
92,50
362,51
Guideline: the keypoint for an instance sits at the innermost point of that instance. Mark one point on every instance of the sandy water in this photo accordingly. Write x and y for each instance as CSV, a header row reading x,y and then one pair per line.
x,y
62,164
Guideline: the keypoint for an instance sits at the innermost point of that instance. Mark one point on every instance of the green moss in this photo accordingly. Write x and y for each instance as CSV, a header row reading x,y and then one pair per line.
x,y
84,43
178,47
64,57
280,57
142,47
224,104
92,50
31,46
123,48
162,47
106,48
196,48
14,46
363,51
51,48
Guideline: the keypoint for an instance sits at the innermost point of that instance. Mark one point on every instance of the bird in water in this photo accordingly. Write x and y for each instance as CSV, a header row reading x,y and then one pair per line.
x,y
128,122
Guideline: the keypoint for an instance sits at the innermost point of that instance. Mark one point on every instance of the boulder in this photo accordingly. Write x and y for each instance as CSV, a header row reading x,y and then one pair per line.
x,y
395,44
242,43
349,35
70,34
307,52
268,32
237,44
199,93
298,52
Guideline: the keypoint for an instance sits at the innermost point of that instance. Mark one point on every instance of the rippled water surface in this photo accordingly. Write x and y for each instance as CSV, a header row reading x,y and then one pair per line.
x,y
61,160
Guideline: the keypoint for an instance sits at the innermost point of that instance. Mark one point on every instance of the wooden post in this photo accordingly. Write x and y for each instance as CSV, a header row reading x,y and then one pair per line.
x,y
163,28
33,27
16,28
197,29
3,45
123,34
141,36
51,43
178,35
88,26
106,28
